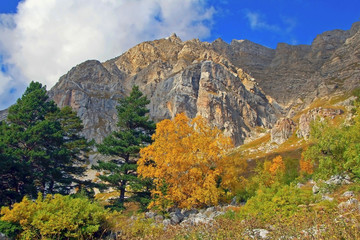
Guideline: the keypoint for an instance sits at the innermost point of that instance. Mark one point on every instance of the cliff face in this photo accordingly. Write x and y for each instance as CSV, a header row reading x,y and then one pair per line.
x,y
236,86
177,77
295,75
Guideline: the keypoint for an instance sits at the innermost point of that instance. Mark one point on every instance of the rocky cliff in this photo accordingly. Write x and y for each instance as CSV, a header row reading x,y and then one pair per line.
x,y
295,75
236,86
177,77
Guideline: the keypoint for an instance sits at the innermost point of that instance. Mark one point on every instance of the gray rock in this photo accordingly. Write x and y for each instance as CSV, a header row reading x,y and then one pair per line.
x,y
150,214
259,233
158,218
212,88
315,189
338,180
209,210
326,197
299,185
351,203
195,219
348,194
166,222
187,213
3,237
234,202
282,130
176,217
216,214
306,119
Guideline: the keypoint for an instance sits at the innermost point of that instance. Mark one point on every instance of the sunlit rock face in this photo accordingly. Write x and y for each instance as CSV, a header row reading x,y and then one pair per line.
x,y
177,77
236,86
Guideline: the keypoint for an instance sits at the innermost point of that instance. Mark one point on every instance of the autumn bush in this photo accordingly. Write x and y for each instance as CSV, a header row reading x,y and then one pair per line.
x,y
189,163
58,217
139,227
265,175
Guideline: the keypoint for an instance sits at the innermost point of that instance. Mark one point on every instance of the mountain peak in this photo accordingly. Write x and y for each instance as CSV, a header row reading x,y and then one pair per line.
x,y
174,38
228,84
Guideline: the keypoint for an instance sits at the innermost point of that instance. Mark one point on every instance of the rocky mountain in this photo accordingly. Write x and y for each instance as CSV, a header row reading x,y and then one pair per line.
x,y
295,75
237,86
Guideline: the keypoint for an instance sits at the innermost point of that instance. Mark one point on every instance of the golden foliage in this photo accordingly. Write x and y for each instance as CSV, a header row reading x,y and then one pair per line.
x,y
189,163
271,172
58,217
306,166
277,166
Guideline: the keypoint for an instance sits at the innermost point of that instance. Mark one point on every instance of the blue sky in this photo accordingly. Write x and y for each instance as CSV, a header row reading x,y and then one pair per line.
x,y
269,22
41,40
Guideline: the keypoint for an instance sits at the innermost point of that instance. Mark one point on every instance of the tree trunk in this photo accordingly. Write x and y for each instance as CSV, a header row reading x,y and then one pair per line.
x,y
122,191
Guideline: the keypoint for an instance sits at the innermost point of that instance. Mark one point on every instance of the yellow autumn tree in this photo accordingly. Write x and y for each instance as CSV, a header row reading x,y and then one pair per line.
x,y
188,162
277,166
271,171
306,166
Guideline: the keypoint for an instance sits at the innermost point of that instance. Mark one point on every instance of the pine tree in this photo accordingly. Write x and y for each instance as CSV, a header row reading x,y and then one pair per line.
x,y
134,131
77,146
40,145
9,172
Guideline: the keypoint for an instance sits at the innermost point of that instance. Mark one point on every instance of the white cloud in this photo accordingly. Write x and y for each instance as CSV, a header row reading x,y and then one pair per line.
x,y
44,39
10,89
257,21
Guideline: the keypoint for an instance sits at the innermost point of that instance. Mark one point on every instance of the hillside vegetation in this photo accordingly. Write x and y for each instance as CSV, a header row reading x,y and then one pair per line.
x,y
183,181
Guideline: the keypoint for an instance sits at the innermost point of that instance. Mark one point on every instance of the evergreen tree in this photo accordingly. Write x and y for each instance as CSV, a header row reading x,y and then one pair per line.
x,y
41,143
77,146
9,173
134,131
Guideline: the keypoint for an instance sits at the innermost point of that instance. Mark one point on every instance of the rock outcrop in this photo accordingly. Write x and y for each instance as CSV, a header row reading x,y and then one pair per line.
x,y
177,77
282,130
3,114
306,119
295,74
236,86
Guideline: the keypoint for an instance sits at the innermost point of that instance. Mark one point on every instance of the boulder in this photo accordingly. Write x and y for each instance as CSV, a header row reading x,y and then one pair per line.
x,y
176,217
327,198
282,130
258,233
338,180
315,189
348,194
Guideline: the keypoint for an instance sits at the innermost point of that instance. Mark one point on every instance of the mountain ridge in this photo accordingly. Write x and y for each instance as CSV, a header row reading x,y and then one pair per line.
x,y
237,86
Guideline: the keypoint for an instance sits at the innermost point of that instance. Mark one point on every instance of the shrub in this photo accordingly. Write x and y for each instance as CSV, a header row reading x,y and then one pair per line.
x,y
279,200
58,217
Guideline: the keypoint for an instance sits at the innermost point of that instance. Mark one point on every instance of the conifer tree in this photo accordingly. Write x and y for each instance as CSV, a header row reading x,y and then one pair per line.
x,y
134,131
40,145
9,173
76,145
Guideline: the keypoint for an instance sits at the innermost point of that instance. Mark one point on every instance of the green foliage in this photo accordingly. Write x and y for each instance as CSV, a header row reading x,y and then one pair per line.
x,y
10,229
40,147
335,149
291,172
355,188
135,130
278,200
57,217
265,176
139,227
